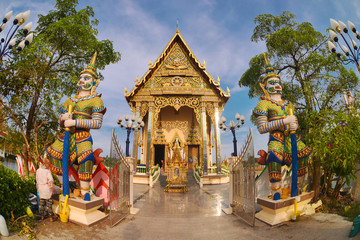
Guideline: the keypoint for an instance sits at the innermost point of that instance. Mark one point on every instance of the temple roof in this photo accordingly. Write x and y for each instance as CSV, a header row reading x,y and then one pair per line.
x,y
160,65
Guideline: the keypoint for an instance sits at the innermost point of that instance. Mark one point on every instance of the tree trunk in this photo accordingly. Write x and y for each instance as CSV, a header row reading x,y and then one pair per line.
x,y
29,127
356,185
30,121
316,178
26,162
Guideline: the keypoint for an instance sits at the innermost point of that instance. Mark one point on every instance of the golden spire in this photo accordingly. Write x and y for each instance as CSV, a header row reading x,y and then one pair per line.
x,y
150,63
227,90
125,91
204,64
91,67
177,25
266,60
218,80
269,70
92,62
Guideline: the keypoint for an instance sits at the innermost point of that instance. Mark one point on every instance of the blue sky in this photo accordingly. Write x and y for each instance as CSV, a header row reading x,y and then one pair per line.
x,y
218,31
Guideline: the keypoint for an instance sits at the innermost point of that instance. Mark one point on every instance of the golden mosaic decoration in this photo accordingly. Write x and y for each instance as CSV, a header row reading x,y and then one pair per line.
x,y
181,125
177,59
211,111
144,109
177,103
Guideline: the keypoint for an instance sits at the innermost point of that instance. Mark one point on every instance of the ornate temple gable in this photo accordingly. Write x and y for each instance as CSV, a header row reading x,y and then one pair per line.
x,y
177,63
176,71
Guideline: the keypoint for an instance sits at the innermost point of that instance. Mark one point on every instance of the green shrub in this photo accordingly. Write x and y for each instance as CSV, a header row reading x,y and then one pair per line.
x,y
14,192
351,211
56,179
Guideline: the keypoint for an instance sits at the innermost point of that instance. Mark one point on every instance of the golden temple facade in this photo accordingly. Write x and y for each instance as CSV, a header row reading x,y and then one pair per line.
x,y
179,101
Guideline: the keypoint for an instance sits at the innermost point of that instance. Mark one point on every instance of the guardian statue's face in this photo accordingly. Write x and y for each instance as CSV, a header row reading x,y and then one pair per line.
x,y
85,82
273,85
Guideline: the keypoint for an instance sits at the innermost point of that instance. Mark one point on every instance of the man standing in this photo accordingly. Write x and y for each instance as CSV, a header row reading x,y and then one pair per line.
x,y
88,114
272,115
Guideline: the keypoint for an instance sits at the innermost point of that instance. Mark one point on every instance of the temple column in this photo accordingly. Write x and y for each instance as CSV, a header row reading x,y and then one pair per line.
x,y
136,134
204,136
149,132
217,138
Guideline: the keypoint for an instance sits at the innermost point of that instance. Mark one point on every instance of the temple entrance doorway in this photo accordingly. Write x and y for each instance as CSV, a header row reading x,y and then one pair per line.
x,y
193,156
159,154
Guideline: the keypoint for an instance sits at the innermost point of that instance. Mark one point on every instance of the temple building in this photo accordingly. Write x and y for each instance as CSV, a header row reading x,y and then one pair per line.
x,y
179,102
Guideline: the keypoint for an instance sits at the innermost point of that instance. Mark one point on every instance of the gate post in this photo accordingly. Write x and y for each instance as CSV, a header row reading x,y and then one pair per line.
x,y
231,189
231,186
130,161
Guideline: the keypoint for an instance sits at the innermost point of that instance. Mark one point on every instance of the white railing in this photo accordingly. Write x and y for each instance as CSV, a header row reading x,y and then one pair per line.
x,y
141,169
154,175
212,170
225,170
197,175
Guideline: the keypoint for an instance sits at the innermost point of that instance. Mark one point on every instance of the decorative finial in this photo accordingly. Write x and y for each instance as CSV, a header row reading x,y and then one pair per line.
x,y
204,64
150,63
125,91
137,80
269,70
227,90
218,80
266,60
91,67
177,25
92,62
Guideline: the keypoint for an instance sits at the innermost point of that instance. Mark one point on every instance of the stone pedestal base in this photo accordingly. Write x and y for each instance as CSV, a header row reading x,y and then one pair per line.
x,y
134,211
276,212
84,212
215,179
141,179
176,188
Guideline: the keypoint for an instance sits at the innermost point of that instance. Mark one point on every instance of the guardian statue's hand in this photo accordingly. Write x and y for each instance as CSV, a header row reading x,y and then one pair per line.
x,y
290,119
65,116
69,123
294,126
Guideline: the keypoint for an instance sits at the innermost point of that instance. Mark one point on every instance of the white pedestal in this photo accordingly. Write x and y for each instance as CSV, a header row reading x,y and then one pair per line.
x,y
227,210
275,212
84,212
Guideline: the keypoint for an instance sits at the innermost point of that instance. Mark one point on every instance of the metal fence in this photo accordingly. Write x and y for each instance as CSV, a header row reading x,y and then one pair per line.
x,y
243,184
119,183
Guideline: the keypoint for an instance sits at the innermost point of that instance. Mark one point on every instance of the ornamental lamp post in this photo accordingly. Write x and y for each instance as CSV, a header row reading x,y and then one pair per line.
x,y
9,42
350,51
129,125
232,127
350,54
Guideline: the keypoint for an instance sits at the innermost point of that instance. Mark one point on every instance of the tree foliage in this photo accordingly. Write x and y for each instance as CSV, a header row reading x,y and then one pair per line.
x,y
312,78
335,135
34,81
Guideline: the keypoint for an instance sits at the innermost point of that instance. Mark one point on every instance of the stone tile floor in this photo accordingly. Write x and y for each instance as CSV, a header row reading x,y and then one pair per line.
x,y
196,215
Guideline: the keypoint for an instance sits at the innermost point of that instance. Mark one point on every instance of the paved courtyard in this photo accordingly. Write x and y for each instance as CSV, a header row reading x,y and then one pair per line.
x,y
196,215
